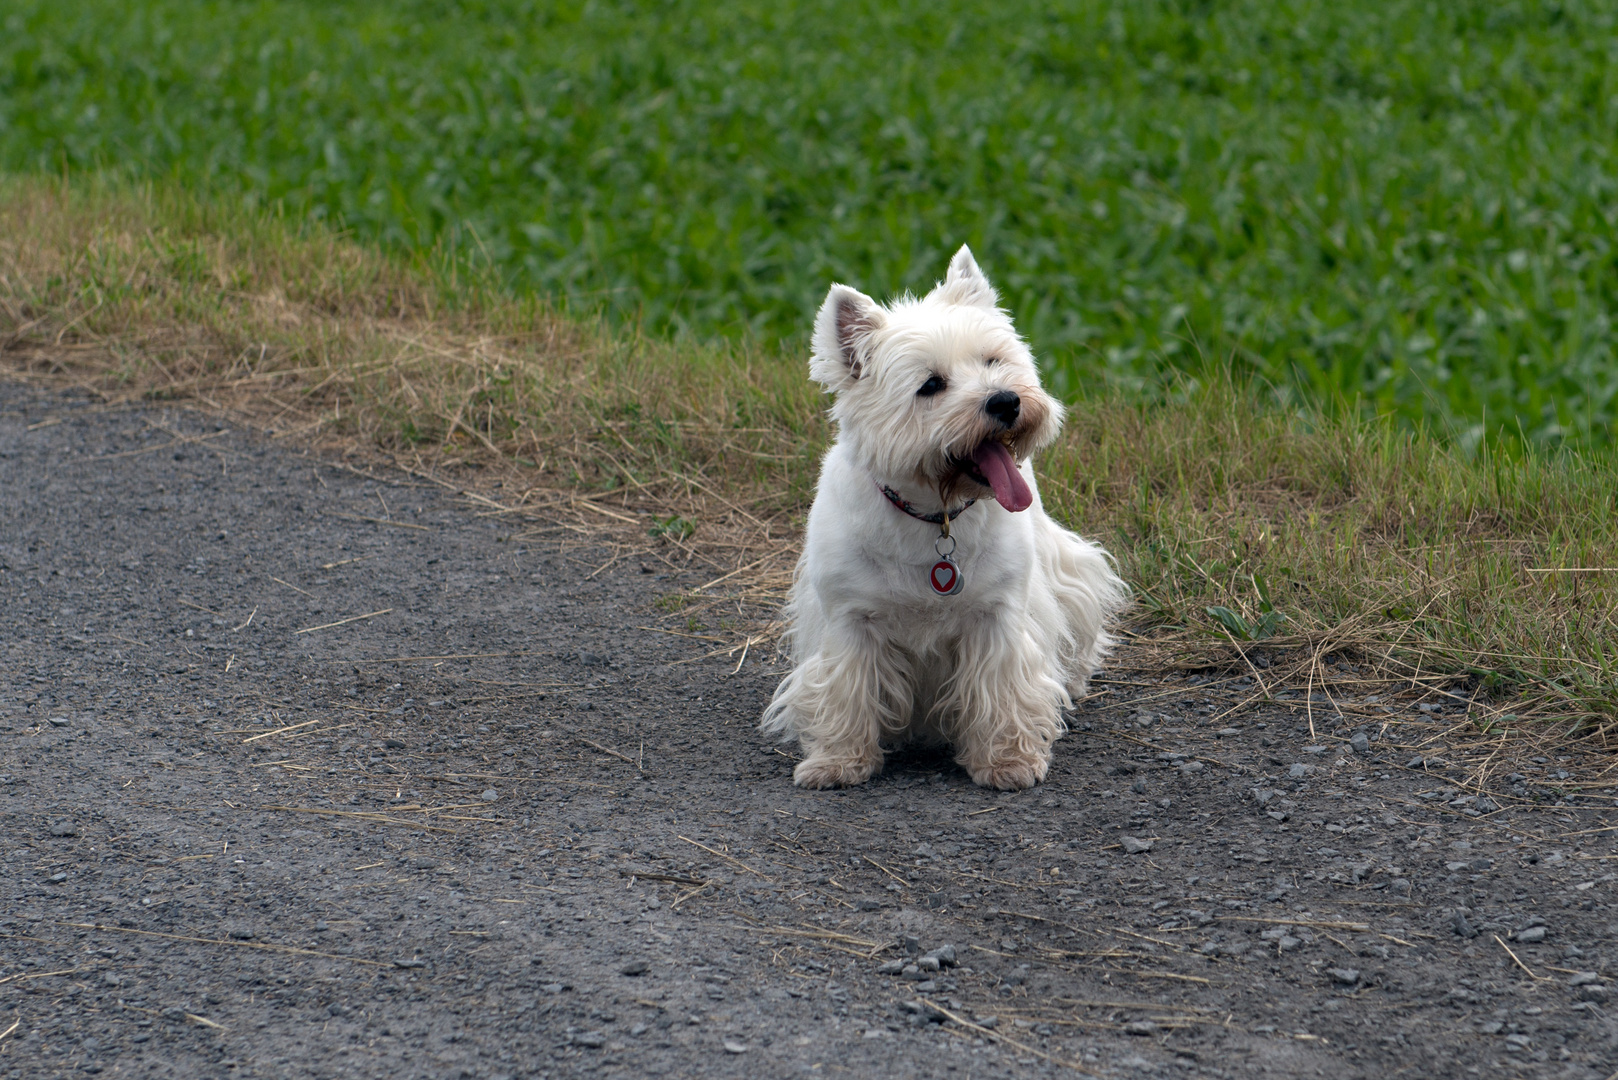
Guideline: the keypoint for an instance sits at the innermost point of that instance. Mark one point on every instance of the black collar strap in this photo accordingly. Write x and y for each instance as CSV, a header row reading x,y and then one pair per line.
x,y
937,517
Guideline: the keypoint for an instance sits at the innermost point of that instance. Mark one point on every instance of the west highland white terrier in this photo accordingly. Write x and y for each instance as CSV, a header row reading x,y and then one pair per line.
x,y
936,601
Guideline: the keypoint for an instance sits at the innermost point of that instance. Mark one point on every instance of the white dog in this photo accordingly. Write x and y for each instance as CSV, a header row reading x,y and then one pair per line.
x,y
935,599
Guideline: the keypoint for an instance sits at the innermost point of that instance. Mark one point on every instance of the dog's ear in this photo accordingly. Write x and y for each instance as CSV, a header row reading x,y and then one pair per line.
x,y
843,331
965,283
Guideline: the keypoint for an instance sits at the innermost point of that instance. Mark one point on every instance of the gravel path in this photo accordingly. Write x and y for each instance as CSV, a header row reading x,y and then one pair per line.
x,y
240,840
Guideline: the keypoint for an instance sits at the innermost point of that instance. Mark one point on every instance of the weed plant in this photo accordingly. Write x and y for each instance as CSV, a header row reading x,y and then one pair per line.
x,y
1406,207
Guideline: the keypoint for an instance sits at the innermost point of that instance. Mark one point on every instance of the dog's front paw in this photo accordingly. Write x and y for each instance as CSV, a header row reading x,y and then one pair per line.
x,y
1011,774
825,772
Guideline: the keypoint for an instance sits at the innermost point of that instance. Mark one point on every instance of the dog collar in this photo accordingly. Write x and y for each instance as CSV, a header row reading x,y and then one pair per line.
x,y
945,575
937,517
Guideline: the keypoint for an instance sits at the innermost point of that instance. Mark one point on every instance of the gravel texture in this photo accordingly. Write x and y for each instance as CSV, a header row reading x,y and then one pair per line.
x,y
556,846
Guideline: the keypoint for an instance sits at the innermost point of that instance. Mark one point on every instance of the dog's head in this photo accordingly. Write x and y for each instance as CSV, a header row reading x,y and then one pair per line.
x,y
937,393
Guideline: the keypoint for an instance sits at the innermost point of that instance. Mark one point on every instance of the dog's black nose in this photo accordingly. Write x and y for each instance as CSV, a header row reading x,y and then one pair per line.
x,y
1003,405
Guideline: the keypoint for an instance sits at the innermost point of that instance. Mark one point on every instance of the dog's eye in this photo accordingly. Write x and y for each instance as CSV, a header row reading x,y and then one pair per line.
x,y
932,386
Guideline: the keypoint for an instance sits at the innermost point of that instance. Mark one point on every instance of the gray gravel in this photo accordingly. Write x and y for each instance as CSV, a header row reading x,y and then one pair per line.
x,y
555,846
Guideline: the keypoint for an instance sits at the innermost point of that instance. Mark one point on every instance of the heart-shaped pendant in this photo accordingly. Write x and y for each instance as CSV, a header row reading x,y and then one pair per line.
x,y
945,578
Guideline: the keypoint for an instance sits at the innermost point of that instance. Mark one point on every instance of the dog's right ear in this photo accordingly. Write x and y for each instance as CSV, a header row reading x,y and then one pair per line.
x,y
843,331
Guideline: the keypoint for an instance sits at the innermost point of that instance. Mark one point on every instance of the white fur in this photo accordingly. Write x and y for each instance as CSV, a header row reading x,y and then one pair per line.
x,y
879,657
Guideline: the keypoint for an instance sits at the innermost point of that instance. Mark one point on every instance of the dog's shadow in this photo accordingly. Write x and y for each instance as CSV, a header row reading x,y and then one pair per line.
x,y
913,764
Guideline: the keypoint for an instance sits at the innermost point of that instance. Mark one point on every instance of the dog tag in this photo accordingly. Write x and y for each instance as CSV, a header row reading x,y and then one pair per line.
x,y
945,578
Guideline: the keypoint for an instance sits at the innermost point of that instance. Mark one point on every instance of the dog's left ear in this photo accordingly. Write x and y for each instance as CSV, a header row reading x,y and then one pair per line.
x,y
965,283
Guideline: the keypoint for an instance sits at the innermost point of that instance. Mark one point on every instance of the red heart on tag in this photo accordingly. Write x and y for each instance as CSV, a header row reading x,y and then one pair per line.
x,y
944,574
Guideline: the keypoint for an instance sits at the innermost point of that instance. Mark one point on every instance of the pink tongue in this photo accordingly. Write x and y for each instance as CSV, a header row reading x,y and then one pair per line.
x,y
999,468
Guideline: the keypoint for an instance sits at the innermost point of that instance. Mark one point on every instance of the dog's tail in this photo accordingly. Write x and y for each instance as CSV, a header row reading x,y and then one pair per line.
x,y
1090,596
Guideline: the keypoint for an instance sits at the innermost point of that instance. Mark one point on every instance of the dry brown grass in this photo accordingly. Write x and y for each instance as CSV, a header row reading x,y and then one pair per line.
x,y
1398,562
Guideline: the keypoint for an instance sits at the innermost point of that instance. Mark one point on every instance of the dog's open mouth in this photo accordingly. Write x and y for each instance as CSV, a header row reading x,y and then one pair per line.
x,y
993,466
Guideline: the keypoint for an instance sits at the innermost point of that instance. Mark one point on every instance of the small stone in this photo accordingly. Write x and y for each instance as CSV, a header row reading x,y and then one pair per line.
x,y
1298,770
910,943
634,967
1461,927
58,721
1583,978
593,1039
1532,935
1278,815
1491,1028
985,1021
1346,976
1595,993
945,955
1399,886
1133,846
1140,1027
58,877
734,1047
1415,763
1191,768
1288,943
64,828
1209,948
1314,749
928,963
240,933
1360,742
1262,796
489,795
1485,806
1138,787
892,967
413,962
867,904
111,979
1229,731
912,972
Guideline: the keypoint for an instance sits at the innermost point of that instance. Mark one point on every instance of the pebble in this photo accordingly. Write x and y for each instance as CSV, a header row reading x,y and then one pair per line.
x,y
1298,770
892,967
1594,993
1262,796
1132,846
593,1039
734,1047
414,962
1399,886
945,955
1461,927
1415,763
489,795
1140,1027
634,967
867,904
64,828
1360,742
1583,978
1191,768
1314,749
1531,935
1346,976
1229,731
58,721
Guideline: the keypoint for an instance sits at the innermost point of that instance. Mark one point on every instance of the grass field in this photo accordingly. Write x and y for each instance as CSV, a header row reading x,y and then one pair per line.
x,y
1349,553
1408,205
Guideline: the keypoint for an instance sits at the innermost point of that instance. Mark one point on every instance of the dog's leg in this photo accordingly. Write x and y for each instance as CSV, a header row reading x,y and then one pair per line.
x,y
1002,707
838,702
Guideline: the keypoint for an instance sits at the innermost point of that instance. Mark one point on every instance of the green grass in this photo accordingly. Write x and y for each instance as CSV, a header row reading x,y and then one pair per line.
x,y
1406,205
1348,551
